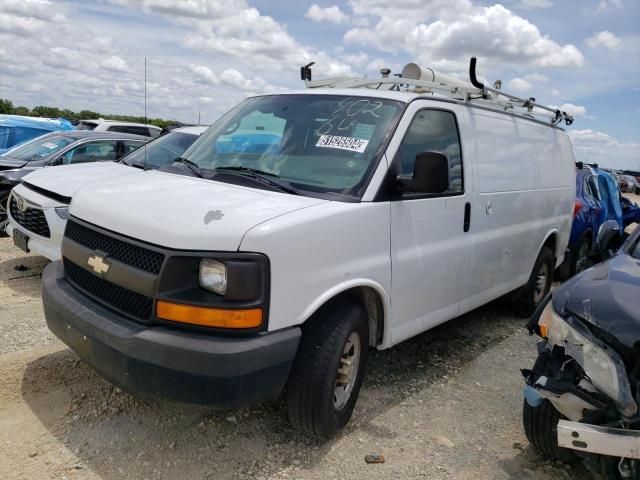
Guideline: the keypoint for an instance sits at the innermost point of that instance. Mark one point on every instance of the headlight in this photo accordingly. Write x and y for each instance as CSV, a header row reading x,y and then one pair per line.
x,y
63,212
601,364
213,276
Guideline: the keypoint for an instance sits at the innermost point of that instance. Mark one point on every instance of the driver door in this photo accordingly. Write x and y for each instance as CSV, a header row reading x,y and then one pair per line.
x,y
428,239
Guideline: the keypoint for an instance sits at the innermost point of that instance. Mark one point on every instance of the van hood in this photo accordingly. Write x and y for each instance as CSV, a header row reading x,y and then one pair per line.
x,y
181,212
65,180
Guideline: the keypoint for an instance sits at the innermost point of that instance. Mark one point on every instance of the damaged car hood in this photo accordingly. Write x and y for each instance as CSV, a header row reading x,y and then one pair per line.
x,y
181,212
607,296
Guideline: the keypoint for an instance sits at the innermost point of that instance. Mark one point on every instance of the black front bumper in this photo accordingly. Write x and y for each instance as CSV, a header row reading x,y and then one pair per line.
x,y
193,367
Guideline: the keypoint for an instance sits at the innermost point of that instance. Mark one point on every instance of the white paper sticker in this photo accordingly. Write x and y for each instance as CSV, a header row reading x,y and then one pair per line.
x,y
342,143
50,145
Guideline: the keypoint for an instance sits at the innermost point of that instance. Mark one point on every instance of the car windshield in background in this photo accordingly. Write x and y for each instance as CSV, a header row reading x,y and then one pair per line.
x,y
315,143
40,148
161,151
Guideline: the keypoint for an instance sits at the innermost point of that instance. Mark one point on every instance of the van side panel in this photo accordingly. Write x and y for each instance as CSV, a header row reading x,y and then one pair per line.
x,y
524,191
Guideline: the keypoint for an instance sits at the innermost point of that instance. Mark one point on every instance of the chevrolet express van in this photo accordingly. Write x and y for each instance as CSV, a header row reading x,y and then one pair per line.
x,y
301,230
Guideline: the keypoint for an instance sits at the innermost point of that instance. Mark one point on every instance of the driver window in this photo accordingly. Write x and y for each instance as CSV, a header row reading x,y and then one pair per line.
x,y
91,152
258,133
433,131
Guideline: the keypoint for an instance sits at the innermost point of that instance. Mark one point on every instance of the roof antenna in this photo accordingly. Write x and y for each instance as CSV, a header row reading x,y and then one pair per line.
x,y
145,109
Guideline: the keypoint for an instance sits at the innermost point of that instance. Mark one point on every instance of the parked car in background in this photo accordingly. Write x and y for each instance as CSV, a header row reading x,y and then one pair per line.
x,y
102,125
47,193
60,148
633,186
582,393
598,199
17,129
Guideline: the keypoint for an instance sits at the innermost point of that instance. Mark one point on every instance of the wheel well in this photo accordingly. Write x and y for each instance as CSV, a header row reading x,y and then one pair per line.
x,y
370,299
552,243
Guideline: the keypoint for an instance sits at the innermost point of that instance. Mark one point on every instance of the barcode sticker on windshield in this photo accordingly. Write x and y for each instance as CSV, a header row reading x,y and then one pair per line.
x,y
49,145
342,143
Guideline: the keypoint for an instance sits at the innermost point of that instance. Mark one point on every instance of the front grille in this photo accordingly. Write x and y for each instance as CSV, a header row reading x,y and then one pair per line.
x,y
128,302
32,219
133,255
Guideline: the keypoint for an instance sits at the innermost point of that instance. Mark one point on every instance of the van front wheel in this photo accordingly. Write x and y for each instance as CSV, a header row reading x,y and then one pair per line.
x,y
329,367
528,297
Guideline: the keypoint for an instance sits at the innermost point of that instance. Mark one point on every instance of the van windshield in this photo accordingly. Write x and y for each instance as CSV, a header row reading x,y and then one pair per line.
x,y
315,143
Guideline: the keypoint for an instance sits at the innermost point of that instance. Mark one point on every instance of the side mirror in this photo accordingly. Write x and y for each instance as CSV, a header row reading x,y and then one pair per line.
x,y
55,162
430,175
608,232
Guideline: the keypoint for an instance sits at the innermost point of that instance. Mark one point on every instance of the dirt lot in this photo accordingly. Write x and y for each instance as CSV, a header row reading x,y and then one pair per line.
x,y
444,405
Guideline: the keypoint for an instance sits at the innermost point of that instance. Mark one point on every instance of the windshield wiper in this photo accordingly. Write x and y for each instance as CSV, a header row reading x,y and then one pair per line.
x,y
192,166
267,178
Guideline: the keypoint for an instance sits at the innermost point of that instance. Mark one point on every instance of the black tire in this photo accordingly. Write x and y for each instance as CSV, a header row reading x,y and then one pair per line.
x,y
527,298
541,428
3,216
313,380
579,256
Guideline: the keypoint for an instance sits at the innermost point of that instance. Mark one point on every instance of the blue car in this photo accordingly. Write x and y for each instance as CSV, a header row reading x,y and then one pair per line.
x,y
16,129
598,199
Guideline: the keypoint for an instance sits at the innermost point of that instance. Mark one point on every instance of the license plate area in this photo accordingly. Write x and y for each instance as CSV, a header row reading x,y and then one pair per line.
x,y
21,240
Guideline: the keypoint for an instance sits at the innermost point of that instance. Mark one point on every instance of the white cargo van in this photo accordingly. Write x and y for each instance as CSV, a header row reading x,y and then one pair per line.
x,y
307,227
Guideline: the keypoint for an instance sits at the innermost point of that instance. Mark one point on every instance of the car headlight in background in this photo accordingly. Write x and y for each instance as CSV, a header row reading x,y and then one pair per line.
x,y
213,276
63,212
601,364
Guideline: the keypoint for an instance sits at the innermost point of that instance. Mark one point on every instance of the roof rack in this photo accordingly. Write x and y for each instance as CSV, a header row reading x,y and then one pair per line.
x,y
417,79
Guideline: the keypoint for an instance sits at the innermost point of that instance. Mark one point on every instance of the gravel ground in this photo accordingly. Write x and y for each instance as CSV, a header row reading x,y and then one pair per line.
x,y
444,405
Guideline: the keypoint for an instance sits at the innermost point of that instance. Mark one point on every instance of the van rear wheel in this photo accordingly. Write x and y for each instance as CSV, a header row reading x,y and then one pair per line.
x,y
528,297
329,367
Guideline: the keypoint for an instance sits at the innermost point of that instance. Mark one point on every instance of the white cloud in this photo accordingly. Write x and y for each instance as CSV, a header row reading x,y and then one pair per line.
x,y
455,30
519,85
536,3
115,63
607,4
573,110
604,39
331,14
601,148
204,74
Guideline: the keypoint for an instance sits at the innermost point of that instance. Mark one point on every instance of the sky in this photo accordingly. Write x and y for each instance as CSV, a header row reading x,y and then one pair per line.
x,y
204,56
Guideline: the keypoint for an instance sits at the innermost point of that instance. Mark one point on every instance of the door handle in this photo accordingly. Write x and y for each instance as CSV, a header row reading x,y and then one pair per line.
x,y
467,216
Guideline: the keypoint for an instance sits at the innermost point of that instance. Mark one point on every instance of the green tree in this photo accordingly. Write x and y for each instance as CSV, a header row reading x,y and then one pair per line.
x,y
6,106
22,111
44,111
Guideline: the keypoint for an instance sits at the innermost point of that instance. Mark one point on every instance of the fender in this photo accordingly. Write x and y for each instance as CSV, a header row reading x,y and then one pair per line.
x,y
336,290
559,257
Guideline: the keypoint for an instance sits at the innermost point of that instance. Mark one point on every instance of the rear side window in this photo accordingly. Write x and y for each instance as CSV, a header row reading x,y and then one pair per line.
x,y
130,146
590,187
433,131
144,131
91,152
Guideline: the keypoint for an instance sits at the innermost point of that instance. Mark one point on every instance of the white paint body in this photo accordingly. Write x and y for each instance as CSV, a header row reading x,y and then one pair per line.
x,y
518,178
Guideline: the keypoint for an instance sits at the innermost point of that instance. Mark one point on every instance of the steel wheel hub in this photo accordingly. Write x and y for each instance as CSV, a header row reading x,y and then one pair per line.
x,y
541,283
347,371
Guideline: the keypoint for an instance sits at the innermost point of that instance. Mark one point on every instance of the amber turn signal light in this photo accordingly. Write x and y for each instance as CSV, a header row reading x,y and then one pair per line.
x,y
209,317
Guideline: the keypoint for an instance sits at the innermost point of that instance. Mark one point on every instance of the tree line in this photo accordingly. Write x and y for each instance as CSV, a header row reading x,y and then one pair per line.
x,y
7,107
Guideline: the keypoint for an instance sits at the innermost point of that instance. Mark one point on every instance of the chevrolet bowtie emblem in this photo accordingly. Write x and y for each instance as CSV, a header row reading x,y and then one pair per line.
x,y
98,264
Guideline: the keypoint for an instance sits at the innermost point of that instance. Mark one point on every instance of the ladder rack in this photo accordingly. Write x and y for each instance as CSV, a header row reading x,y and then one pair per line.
x,y
476,93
